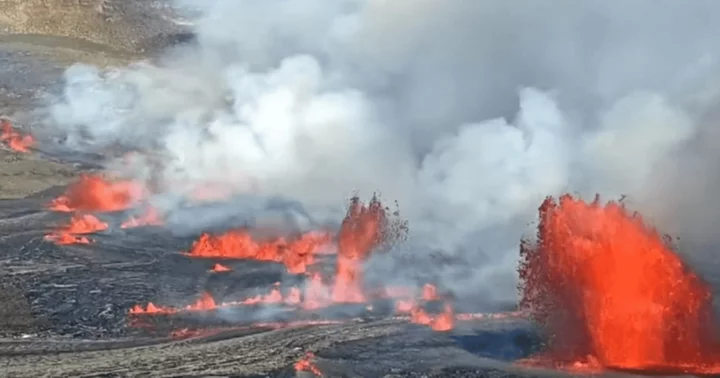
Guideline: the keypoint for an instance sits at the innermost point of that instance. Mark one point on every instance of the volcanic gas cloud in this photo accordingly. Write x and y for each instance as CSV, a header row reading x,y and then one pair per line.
x,y
612,292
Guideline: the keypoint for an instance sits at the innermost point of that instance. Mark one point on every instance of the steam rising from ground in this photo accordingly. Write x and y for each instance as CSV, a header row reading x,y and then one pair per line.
x,y
468,113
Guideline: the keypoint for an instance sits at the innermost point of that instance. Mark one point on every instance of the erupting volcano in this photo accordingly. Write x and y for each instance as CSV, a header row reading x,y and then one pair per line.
x,y
611,292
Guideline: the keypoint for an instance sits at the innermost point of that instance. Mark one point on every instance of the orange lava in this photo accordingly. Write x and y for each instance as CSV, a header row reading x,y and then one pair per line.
x,y
204,303
94,193
306,364
85,224
297,255
151,217
361,231
62,238
430,292
317,293
276,297
82,224
219,268
610,289
444,321
152,309
16,141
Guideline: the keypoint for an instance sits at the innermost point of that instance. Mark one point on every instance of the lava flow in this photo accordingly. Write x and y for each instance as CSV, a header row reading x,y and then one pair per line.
x,y
276,297
297,254
204,303
364,229
444,321
611,292
94,193
306,364
72,232
16,141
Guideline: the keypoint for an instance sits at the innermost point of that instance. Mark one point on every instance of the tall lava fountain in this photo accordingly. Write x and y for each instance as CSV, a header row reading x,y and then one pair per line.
x,y
611,290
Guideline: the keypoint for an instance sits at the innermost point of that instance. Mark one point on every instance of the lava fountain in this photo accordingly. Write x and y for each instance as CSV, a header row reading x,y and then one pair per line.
x,y
610,291
94,193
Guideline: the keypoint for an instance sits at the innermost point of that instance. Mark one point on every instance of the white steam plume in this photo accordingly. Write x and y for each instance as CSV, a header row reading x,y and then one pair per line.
x,y
316,100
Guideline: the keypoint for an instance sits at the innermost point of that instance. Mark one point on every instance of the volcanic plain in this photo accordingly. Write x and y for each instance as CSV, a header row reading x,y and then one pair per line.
x,y
78,304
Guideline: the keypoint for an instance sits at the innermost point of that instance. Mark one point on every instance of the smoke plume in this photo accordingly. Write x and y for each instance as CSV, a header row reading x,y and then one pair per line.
x,y
468,113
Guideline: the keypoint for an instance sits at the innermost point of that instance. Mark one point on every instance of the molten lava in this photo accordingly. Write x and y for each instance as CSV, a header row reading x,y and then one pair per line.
x,y
364,229
317,293
306,364
94,193
204,303
276,297
361,231
444,321
62,238
610,289
16,141
83,224
297,255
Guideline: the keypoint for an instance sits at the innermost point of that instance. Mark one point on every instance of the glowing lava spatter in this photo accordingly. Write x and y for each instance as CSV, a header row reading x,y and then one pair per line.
x,y
204,303
297,254
361,231
276,297
610,289
16,141
80,224
94,193
306,364
445,321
